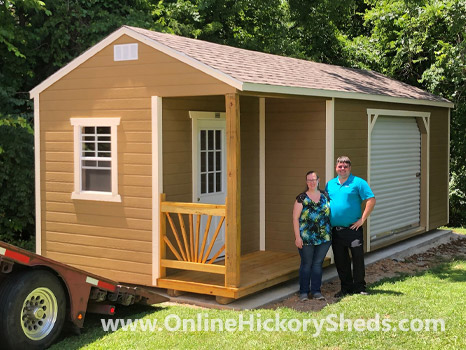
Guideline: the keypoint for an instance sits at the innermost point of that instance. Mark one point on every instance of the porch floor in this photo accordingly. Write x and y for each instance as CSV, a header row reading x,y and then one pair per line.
x,y
259,270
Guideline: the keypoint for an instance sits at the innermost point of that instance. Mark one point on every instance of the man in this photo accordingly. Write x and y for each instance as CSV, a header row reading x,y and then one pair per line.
x,y
347,192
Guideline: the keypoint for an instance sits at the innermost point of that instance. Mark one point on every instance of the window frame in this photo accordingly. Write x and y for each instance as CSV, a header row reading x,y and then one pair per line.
x,y
78,193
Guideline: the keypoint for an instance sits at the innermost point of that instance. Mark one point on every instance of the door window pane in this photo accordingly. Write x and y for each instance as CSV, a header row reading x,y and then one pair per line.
x,y
218,160
203,183
211,140
218,139
211,161
211,182
218,182
203,162
203,140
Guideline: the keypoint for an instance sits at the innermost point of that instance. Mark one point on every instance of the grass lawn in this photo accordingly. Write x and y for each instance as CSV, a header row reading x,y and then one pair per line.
x,y
459,230
436,294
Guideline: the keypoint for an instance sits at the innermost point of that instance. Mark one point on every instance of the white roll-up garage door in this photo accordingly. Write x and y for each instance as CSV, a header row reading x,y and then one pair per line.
x,y
395,170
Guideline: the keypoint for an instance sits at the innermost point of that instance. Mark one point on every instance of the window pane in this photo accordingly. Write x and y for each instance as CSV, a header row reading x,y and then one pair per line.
x,y
88,146
89,154
203,140
104,154
88,130
203,183
96,180
104,146
218,139
104,164
203,164
103,130
218,182
218,160
89,163
104,138
211,140
211,182
211,161
89,138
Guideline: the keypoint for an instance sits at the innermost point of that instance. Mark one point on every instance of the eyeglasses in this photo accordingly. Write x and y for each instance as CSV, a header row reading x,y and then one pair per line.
x,y
343,166
313,180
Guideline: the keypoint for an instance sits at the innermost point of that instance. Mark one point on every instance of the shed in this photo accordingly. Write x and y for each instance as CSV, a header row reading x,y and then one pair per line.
x,y
173,162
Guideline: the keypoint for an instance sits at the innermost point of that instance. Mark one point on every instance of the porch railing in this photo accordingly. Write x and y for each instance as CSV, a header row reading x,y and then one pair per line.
x,y
190,250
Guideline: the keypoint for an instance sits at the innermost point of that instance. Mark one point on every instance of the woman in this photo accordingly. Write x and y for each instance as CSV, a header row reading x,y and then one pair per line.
x,y
312,230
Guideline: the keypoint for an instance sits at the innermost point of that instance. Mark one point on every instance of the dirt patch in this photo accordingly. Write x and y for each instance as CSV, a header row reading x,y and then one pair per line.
x,y
386,268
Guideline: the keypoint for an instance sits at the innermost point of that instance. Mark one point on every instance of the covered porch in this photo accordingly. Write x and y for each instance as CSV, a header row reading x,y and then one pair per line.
x,y
236,251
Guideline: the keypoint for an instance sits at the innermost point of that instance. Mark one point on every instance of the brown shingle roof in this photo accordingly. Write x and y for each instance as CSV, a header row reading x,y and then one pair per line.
x,y
255,67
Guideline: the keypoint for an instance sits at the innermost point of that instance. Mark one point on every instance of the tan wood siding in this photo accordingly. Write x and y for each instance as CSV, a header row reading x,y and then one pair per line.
x,y
113,239
354,113
249,174
439,176
294,144
177,143
153,74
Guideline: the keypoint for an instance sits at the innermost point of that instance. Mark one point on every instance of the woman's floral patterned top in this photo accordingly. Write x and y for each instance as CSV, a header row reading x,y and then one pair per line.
x,y
314,221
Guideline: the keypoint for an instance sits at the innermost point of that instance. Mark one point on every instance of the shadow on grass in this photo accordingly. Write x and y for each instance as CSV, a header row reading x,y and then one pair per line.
x,y
454,271
71,339
383,291
450,271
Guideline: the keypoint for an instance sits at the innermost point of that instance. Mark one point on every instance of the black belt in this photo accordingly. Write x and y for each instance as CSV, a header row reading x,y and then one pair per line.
x,y
340,228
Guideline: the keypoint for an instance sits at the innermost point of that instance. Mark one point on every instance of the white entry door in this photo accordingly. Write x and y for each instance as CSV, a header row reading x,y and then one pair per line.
x,y
209,172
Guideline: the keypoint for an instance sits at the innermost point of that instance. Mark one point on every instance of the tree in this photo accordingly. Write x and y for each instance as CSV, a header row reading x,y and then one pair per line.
x,y
16,69
320,25
261,25
16,182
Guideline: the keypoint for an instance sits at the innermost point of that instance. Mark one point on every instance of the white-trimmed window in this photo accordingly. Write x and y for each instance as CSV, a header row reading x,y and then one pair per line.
x,y
95,159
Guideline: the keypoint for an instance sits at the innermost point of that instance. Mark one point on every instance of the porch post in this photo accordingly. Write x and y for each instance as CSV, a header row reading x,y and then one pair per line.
x,y
233,200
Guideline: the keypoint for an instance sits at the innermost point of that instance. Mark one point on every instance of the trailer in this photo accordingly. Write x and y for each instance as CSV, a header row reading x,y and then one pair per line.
x,y
37,296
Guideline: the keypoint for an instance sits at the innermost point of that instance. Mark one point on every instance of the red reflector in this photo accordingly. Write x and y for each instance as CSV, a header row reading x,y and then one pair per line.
x,y
106,285
112,310
17,256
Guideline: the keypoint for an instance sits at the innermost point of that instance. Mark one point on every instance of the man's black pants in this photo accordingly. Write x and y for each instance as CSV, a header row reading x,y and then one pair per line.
x,y
343,241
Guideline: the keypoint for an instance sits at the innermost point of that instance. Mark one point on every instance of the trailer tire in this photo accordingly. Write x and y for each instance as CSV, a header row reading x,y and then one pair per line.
x,y
32,310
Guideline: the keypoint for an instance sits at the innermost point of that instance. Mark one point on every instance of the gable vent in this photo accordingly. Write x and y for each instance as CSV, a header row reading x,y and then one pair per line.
x,y
125,52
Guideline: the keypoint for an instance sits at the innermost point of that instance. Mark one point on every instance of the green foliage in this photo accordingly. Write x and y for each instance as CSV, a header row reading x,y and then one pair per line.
x,y
15,67
320,25
262,25
16,182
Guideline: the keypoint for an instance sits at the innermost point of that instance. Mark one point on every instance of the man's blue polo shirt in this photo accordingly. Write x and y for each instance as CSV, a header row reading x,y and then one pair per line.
x,y
346,200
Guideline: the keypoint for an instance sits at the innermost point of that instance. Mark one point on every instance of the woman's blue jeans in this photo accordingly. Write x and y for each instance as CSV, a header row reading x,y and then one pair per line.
x,y
310,271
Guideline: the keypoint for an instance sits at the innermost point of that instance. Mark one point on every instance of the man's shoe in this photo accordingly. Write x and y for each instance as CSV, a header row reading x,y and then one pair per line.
x,y
341,294
363,292
318,296
303,297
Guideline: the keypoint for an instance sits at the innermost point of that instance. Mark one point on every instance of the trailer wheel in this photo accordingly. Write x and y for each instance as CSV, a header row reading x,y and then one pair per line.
x,y
32,310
